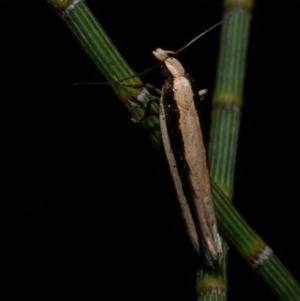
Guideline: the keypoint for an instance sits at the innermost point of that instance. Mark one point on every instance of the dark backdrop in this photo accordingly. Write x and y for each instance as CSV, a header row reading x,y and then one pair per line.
x,y
91,213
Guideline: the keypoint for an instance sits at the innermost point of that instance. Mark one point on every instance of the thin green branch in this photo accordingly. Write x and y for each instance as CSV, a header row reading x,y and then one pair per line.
x,y
227,102
100,49
253,249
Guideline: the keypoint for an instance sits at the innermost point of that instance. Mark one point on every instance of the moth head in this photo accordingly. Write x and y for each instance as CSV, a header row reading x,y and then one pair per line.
x,y
173,66
161,54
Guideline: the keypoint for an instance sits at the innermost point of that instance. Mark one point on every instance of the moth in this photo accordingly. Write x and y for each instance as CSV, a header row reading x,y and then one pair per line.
x,y
186,155
185,151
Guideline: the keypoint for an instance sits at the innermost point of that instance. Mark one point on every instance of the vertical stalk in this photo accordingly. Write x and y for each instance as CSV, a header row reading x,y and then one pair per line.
x,y
227,103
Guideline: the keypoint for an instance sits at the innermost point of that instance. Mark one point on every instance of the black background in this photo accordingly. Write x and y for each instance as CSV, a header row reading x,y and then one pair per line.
x,y
90,213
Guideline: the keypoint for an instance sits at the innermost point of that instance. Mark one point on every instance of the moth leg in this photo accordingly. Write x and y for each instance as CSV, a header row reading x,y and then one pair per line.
x,y
151,100
147,86
148,107
202,94
153,89
139,86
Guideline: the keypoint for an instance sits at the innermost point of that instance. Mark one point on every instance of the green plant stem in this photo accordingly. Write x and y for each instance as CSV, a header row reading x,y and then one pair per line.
x,y
253,249
227,103
100,49
233,228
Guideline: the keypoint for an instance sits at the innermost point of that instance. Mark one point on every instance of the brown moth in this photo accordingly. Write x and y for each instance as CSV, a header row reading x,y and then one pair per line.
x,y
185,152
186,155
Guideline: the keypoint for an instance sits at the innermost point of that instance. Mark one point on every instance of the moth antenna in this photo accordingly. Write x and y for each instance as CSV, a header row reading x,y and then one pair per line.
x,y
202,34
119,80
157,65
